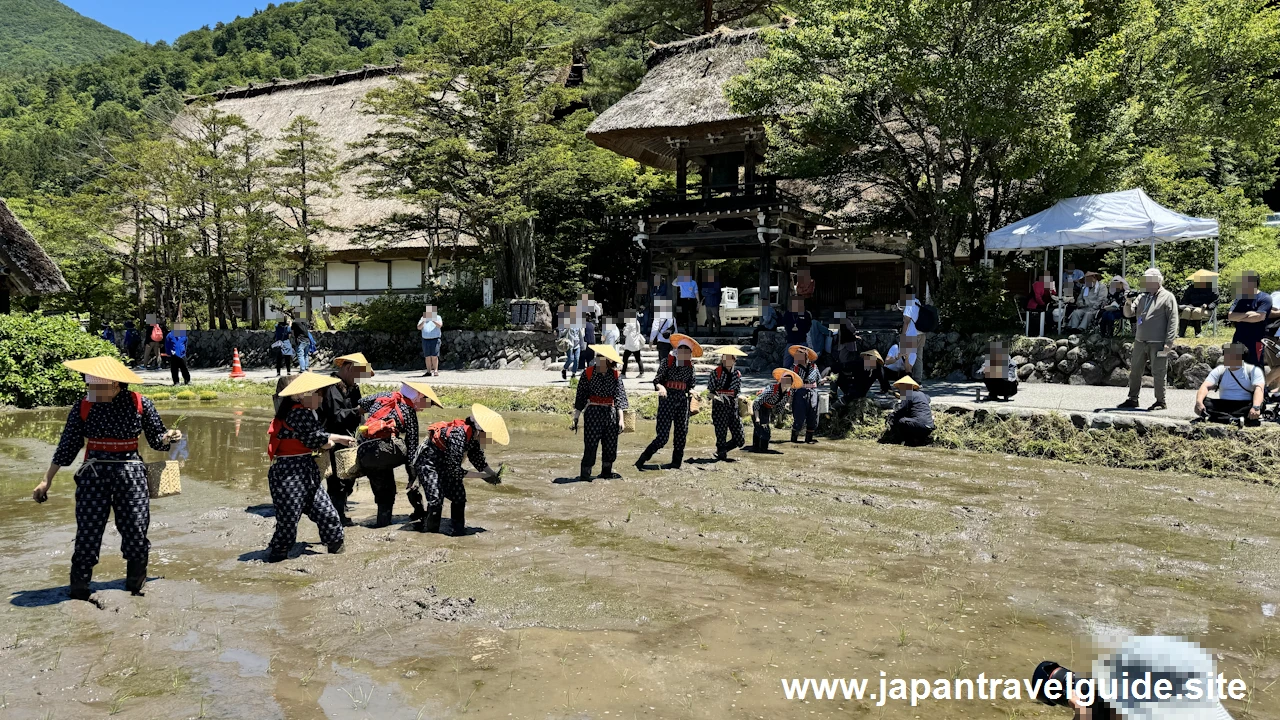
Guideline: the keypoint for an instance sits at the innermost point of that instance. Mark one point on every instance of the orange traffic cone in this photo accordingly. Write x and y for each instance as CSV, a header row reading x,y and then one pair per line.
x,y
237,372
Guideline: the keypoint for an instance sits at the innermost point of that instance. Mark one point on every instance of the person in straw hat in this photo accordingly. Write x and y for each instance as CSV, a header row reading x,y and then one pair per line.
x,y
804,399
762,408
725,384
107,421
1199,300
294,478
912,421
858,375
601,399
438,464
674,382
393,415
340,413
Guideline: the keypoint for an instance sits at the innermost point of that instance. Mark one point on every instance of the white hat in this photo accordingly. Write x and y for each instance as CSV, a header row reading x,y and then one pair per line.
x,y
1154,273
1166,658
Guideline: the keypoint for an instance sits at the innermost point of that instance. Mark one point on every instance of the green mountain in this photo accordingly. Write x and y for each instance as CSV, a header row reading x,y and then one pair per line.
x,y
40,34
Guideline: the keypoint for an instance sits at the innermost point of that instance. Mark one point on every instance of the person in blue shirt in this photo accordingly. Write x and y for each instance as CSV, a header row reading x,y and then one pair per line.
x,y
108,334
687,305
1249,312
175,347
711,300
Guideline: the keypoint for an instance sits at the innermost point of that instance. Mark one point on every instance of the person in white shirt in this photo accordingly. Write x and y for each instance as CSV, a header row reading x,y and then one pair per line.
x,y
664,326
632,341
1240,389
910,311
430,324
901,360
609,332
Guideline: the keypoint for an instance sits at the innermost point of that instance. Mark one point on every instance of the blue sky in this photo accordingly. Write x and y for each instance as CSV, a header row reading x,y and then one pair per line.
x,y
153,20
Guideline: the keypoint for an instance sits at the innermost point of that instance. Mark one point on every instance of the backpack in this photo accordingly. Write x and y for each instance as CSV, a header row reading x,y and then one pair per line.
x,y
588,373
85,405
156,334
928,320
378,425
436,431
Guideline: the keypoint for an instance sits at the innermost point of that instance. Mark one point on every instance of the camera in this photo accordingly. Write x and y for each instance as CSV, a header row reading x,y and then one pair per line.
x,y
1051,682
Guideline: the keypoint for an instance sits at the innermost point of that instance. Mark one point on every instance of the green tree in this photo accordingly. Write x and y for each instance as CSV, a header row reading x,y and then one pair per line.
x,y
305,175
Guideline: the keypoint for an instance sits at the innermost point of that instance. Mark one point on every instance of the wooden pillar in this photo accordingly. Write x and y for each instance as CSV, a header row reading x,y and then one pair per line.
x,y
706,181
682,170
749,167
766,273
784,281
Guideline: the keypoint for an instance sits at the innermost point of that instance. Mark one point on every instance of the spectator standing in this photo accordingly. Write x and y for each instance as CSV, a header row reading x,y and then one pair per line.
x,y
1249,312
282,347
632,342
108,334
1199,301
303,343
797,322
910,316
609,334
711,300
175,346
1155,314
431,326
587,356
571,334
660,332
154,339
688,302
805,287
132,342
1240,387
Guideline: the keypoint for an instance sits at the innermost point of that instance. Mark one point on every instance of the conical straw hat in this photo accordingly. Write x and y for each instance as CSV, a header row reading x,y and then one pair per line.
x,y
873,353
607,351
491,423
308,382
907,381
801,349
733,350
423,389
105,367
677,340
354,359
780,373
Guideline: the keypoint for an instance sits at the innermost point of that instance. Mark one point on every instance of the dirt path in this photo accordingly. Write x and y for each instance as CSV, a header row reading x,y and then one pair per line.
x,y
685,594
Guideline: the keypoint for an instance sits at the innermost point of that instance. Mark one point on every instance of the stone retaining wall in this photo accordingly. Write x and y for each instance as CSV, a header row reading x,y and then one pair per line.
x,y
459,348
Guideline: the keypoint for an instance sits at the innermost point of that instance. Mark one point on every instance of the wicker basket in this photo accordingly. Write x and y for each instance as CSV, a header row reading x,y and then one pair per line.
x,y
164,478
695,404
744,406
628,421
322,462
347,466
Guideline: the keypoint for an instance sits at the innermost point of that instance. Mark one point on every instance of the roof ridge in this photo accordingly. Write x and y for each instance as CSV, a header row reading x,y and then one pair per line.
x,y
314,80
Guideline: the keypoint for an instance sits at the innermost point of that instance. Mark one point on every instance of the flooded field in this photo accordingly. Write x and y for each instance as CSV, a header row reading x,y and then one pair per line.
x,y
685,594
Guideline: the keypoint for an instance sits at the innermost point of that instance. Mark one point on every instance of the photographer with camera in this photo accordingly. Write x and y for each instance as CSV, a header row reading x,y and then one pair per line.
x,y
1155,314
1150,677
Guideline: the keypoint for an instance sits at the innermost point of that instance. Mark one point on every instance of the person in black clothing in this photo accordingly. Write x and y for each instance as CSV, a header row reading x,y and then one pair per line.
x,y
588,355
340,413
725,384
857,376
674,382
912,422
401,413
1249,313
107,422
772,397
282,336
797,323
1199,301
600,399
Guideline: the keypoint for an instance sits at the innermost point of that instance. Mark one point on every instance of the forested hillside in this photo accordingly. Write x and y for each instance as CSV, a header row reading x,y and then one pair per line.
x,y
40,34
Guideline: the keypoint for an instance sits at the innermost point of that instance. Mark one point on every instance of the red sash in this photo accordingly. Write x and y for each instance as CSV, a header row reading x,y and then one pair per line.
x,y
283,447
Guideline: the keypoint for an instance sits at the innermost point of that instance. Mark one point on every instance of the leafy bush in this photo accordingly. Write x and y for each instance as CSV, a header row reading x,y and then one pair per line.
x,y
32,348
973,299
493,317
460,304
1264,261
389,313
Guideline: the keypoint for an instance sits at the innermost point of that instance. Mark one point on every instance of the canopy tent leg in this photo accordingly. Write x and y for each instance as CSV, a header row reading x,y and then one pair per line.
x,y
1061,286
1216,280
1153,253
1124,261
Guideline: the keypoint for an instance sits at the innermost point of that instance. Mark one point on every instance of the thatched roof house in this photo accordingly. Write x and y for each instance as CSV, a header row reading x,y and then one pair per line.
x,y
27,268
354,273
681,94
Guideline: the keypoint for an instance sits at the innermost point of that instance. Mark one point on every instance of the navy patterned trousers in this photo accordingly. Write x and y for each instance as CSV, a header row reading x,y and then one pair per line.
x,y
296,491
100,488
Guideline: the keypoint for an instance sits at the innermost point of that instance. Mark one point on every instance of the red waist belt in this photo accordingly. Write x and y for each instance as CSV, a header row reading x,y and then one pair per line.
x,y
811,386
676,385
767,405
726,392
290,447
104,445
596,400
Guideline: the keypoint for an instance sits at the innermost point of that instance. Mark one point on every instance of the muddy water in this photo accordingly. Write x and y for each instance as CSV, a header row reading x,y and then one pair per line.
x,y
685,594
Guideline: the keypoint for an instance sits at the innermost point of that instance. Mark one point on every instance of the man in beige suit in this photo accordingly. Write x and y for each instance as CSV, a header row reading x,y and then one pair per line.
x,y
1155,314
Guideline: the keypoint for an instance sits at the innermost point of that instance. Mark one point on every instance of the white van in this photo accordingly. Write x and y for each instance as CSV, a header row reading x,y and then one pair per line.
x,y
746,309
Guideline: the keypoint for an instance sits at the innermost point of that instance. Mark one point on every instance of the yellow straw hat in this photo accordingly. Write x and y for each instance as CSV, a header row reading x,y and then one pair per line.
x,y
607,351
678,340
491,423
907,381
104,367
423,389
783,372
873,353
802,350
354,359
1203,276
733,350
308,382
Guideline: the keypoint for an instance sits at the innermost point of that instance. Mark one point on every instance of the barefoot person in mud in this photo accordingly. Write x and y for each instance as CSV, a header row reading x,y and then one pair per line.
x,y
340,413
674,382
107,422
600,401
804,401
294,478
725,384
438,464
762,408
388,437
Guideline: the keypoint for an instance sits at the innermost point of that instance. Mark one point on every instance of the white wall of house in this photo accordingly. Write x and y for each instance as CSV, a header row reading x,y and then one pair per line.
x,y
406,274
341,276
373,276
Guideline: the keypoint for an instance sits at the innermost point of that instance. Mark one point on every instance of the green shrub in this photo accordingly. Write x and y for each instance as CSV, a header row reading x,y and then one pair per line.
x,y
493,317
1264,261
387,313
185,395
973,299
32,348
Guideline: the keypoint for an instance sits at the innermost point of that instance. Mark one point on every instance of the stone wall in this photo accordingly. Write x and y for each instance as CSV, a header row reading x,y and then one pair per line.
x,y
458,348
1074,360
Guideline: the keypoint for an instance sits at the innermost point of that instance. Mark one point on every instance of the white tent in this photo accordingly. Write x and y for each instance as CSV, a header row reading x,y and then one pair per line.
x,y
1110,220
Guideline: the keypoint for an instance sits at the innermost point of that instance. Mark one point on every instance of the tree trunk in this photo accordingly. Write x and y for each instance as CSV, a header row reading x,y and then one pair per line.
x,y
708,15
519,258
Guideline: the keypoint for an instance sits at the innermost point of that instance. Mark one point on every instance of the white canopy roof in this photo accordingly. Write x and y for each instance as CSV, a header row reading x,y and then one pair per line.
x,y
1110,220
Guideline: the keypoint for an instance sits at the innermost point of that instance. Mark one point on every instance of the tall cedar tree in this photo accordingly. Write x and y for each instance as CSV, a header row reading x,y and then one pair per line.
x,y
305,176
